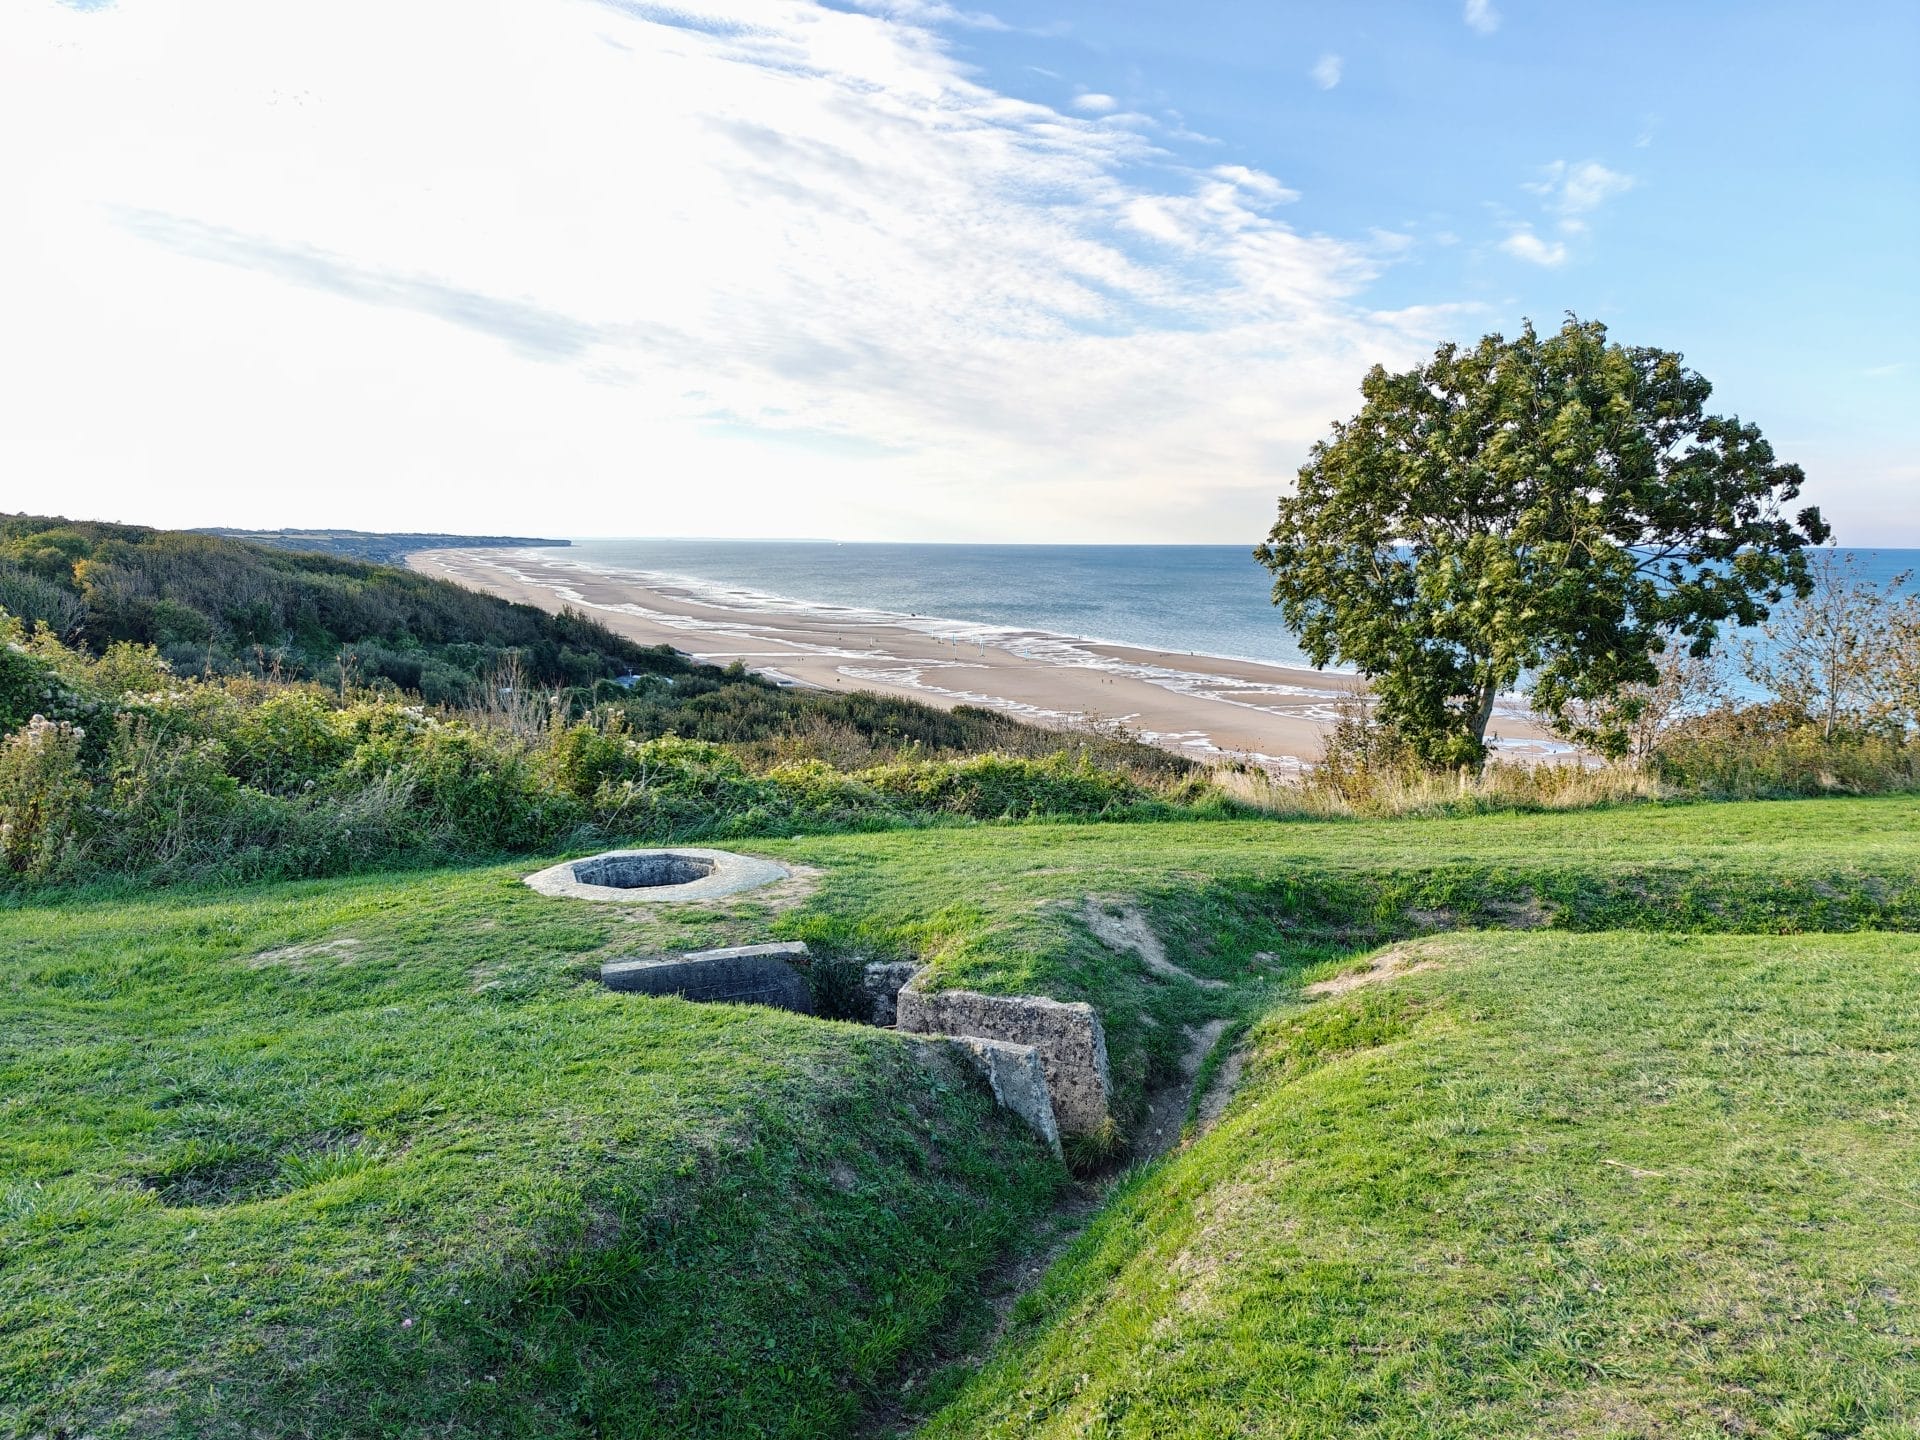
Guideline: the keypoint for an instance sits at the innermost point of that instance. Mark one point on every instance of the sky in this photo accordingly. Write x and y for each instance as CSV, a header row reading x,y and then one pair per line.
x,y
1046,270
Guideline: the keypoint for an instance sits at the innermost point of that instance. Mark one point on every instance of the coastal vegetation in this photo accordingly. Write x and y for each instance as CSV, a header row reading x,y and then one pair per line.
x,y
332,716
217,607
378,547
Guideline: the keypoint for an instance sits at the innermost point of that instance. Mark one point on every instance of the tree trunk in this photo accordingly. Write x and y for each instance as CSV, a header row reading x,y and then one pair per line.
x,y
1483,712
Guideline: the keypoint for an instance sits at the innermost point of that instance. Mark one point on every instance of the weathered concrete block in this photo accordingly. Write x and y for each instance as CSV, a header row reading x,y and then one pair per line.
x,y
882,983
739,975
1013,1073
1072,1046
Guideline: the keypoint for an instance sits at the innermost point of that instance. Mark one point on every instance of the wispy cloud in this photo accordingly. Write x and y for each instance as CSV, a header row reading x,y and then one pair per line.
x,y
1481,16
817,224
531,330
1523,244
1570,194
1326,71
1257,183
933,12
1095,103
1573,191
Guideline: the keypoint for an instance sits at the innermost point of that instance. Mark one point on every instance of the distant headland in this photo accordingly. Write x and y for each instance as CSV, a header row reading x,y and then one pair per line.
x,y
381,549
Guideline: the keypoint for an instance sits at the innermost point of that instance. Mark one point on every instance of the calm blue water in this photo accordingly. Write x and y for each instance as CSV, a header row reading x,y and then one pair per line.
x,y
1209,599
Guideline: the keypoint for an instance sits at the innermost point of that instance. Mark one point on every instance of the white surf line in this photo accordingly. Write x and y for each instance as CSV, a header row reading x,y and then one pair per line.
x,y
1041,647
1024,642
1195,740
741,630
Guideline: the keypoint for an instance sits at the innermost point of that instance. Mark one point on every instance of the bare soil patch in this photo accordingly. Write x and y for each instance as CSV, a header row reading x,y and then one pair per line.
x,y
1387,965
1122,927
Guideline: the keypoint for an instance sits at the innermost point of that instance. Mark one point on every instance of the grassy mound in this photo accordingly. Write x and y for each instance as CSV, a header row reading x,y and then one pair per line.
x,y
1595,1185
1251,903
247,1136
380,1158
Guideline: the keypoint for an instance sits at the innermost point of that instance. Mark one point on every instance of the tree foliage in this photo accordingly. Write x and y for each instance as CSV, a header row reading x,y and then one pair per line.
x,y
1844,656
1561,508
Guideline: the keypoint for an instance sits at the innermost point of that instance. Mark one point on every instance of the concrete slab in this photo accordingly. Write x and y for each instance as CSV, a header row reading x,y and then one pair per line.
x,y
654,877
742,975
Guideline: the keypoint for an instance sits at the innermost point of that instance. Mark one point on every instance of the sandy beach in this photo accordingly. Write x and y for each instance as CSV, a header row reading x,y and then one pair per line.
x,y
1202,706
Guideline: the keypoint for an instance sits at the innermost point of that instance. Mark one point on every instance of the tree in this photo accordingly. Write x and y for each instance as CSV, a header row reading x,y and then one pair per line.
x,y
1561,508
1643,716
1842,656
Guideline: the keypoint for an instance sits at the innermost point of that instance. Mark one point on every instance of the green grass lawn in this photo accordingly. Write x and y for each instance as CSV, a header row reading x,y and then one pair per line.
x,y
379,1157
1614,1184
261,1180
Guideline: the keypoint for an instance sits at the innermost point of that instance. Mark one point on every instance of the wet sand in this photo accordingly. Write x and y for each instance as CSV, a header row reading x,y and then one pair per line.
x,y
1201,706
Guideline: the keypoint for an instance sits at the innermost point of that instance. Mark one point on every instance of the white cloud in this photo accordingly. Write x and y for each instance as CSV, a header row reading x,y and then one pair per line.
x,y
1326,71
928,12
1481,16
1572,192
1255,182
1523,244
1095,102
749,266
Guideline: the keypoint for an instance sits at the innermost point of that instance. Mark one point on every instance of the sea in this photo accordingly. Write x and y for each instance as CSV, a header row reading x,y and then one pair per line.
x,y
1202,599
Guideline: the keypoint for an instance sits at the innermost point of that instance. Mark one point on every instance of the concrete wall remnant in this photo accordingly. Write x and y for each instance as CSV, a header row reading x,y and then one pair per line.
x,y
882,982
1043,1059
1071,1044
737,975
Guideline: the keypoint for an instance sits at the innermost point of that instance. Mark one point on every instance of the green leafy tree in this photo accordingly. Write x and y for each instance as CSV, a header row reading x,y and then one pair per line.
x,y
1558,507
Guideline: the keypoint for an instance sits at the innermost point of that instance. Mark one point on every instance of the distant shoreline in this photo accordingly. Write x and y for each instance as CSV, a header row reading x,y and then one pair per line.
x,y
375,546
1203,706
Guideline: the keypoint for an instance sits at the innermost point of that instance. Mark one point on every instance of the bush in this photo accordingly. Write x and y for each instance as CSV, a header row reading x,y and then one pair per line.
x,y
991,787
170,799
291,742
480,787
44,799
1757,751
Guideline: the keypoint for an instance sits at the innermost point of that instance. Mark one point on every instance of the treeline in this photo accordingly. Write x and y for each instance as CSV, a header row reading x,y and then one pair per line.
x,y
211,606
381,548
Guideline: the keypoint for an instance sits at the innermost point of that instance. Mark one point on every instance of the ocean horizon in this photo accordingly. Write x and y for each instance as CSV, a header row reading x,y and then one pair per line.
x,y
1208,600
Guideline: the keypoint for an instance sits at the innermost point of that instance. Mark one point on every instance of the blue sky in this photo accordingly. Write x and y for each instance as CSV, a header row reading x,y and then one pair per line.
x,y
1770,229
899,269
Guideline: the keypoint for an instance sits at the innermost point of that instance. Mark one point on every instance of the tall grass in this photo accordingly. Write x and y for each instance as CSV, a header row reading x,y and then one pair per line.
x,y
1390,792
1731,752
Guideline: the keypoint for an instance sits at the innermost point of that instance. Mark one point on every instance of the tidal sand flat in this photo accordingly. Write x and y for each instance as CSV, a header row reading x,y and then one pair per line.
x,y
1203,706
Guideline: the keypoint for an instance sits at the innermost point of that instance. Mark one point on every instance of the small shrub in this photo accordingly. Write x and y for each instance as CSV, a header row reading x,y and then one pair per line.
x,y
1363,760
1756,751
169,799
992,787
44,799
1089,1152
